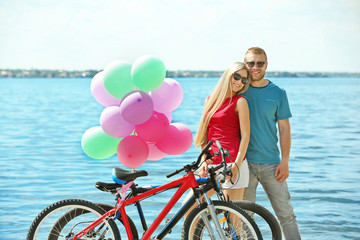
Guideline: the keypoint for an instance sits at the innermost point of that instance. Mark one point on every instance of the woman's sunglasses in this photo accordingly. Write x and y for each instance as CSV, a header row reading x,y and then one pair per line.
x,y
237,77
252,64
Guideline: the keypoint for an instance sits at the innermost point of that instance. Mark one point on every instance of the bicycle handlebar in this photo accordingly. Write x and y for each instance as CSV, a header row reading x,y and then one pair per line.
x,y
194,165
221,150
175,172
226,171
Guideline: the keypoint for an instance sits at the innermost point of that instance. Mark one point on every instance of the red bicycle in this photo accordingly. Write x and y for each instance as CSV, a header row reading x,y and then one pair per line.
x,y
81,219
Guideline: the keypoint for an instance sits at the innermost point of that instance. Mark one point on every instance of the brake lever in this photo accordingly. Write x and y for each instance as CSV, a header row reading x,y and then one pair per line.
x,y
216,153
229,173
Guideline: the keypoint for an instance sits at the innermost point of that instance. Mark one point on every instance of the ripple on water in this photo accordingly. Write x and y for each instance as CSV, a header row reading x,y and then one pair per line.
x,y
42,160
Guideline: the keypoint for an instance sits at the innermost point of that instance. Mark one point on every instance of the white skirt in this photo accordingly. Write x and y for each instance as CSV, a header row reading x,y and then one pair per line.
x,y
242,179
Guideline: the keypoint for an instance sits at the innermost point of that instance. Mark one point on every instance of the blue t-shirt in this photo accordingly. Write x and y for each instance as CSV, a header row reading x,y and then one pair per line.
x,y
267,105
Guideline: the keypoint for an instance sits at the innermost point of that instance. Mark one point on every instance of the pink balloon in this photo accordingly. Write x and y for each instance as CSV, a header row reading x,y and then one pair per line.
x,y
153,129
114,124
136,107
154,152
132,151
169,116
178,140
168,96
100,93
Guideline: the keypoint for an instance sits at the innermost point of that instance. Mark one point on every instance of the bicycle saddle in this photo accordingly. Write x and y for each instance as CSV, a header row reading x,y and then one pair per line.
x,y
122,176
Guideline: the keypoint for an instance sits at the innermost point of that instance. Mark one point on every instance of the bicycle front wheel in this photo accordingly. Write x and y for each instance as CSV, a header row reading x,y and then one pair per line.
x,y
264,219
234,222
50,224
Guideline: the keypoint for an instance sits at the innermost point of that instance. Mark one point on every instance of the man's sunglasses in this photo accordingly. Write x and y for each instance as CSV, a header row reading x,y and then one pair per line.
x,y
237,77
252,64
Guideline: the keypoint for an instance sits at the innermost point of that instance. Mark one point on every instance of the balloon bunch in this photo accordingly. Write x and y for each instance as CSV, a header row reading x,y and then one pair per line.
x,y
136,123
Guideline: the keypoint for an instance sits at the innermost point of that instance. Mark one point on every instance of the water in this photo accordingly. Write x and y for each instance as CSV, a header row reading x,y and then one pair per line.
x,y
42,121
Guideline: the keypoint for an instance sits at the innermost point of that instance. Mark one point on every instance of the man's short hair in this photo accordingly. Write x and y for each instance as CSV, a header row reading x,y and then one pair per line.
x,y
256,50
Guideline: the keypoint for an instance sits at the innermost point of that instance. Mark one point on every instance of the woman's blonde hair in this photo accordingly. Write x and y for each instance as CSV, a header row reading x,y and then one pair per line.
x,y
221,92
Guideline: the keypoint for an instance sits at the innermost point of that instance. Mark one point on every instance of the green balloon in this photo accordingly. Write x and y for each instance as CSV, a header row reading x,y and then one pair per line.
x,y
97,144
148,73
117,78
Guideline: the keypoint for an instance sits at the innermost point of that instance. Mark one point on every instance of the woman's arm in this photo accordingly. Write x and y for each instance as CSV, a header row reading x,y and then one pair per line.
x,y
242,110
204,165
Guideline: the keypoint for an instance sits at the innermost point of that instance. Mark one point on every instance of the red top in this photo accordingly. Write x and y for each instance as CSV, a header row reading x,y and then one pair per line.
x,y
225,127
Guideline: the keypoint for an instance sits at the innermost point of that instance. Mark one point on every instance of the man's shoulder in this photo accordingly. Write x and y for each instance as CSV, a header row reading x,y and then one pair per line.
x,y
273,87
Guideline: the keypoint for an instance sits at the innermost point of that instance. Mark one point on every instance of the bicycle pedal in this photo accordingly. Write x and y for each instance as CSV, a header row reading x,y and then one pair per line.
x,y
166,222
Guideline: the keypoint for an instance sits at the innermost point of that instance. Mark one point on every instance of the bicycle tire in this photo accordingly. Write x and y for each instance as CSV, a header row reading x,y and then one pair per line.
x,y
265,220
194,227
43,225
68,216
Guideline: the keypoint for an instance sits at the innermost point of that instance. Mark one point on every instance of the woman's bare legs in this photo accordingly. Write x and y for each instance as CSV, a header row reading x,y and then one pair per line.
x,y
234,194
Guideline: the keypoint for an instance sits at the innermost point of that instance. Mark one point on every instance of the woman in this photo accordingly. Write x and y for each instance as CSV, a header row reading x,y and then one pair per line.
x,y
225,112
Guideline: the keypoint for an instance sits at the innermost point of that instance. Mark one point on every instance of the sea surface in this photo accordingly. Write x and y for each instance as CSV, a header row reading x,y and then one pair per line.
x,y
41,160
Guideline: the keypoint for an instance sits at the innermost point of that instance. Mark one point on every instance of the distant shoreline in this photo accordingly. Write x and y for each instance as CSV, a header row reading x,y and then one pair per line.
x,y
39,73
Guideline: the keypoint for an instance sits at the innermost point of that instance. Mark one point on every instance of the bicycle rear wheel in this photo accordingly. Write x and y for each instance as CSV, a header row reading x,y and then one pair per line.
x,y
65,218
50,223
235,223
264,219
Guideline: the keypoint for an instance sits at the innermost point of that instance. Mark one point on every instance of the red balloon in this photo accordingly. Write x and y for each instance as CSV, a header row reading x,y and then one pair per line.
x,y
178,140
153,129
132,151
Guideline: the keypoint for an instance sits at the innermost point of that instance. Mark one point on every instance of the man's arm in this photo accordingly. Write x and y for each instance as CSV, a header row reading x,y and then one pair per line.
x,y
282,170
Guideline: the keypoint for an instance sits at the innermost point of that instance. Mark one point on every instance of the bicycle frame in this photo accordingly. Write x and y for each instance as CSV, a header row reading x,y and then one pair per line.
x,y
183,184
124,180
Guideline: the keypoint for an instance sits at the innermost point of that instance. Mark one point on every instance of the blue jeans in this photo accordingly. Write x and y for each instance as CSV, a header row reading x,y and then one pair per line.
x,y
278,194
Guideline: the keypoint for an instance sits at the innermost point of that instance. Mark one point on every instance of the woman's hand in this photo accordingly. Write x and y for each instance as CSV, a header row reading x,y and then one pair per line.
x,y
235,171
204,168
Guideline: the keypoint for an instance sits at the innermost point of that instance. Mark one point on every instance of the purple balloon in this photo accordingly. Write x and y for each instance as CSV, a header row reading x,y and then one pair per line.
x,y
114,124
136,107
100,93
168,96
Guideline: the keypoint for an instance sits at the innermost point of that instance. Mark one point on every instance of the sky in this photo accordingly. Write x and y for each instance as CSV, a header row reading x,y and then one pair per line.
x,y
307,35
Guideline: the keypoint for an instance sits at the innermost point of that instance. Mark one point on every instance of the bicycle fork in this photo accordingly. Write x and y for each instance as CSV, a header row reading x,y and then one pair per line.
x,y
204,216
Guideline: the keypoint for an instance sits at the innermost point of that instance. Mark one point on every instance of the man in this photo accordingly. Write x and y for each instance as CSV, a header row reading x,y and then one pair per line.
x,y
268,106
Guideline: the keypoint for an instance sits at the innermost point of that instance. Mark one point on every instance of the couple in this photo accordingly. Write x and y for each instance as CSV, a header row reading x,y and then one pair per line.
x,y
237,103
